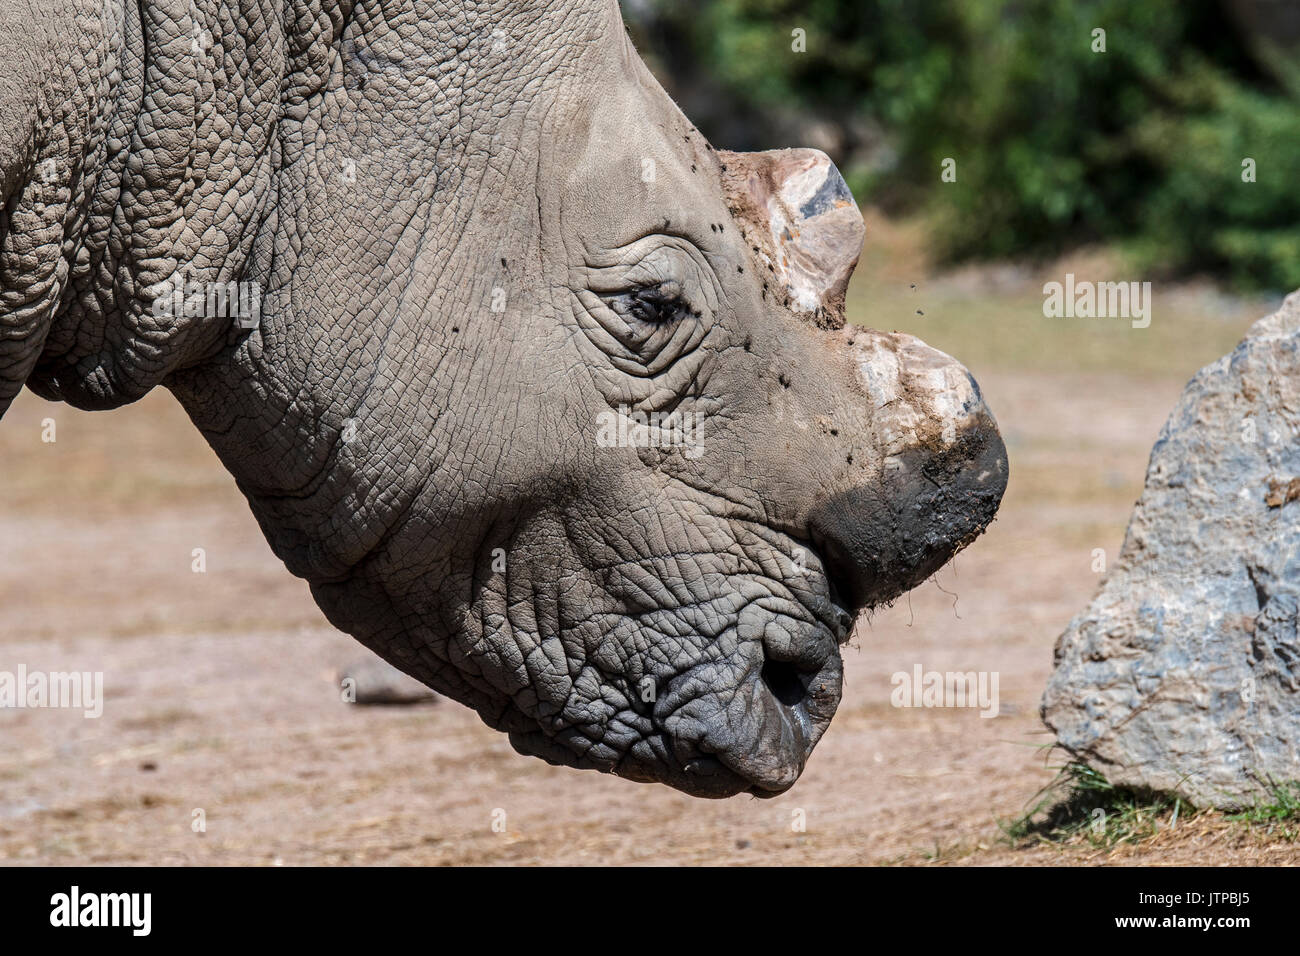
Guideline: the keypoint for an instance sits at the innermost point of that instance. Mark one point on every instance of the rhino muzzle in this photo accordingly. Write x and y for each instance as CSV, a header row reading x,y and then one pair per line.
x,y
936,478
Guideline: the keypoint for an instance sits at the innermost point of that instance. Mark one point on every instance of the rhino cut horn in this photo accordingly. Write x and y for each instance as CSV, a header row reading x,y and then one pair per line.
x,y
797,214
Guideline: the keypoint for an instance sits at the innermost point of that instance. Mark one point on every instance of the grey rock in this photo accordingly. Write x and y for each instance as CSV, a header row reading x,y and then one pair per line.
x,y
1183,674
375,681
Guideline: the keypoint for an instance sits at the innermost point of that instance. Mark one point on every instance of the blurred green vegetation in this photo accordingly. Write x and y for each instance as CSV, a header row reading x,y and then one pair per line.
x,y
1140,147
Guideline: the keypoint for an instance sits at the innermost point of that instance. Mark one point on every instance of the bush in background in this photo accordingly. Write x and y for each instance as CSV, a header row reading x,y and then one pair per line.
x,y
1055,145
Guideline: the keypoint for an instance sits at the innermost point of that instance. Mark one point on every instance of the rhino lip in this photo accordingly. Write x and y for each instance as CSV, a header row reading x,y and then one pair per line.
x,y
837,610
798,704
844,594
793,694
712,767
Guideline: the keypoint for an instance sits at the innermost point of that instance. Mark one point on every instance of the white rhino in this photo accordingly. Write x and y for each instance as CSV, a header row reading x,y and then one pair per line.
x,y
551,403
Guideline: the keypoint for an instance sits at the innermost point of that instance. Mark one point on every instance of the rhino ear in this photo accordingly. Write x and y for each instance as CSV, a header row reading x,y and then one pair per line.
x,y
796,212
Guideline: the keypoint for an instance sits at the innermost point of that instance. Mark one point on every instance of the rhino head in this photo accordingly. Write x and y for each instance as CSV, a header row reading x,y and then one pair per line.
x,y
552,403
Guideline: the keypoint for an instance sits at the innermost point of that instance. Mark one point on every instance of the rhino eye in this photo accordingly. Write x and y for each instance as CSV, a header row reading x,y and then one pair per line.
x,y
660,304
648,305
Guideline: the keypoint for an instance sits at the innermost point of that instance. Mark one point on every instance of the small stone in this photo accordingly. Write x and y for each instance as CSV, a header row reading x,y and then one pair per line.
x,y
375,681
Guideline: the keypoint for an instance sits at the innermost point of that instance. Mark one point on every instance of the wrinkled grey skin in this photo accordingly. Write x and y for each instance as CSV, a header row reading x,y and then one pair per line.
x,y
664,616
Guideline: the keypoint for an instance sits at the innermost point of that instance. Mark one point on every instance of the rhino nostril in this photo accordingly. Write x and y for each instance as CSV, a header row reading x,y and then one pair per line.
x,y
783,680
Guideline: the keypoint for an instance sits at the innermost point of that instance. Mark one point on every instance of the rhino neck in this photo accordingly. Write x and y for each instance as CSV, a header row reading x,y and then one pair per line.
x,y
225,154
401,254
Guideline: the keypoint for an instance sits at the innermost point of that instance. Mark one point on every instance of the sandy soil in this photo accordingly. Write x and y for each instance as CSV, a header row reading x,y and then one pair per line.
x,y
221,695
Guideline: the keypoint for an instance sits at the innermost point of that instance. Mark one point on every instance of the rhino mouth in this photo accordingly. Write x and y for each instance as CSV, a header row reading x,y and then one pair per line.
x,y
743,713
753,736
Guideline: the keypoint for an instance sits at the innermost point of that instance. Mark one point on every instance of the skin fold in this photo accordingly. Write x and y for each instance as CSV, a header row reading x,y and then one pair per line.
x,y
478,231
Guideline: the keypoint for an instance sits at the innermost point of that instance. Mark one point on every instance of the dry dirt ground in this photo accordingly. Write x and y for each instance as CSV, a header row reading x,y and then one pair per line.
x,y
220,685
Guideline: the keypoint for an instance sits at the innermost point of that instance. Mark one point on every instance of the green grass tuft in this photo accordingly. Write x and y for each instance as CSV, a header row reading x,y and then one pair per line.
x,y
1280,816
1080,804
